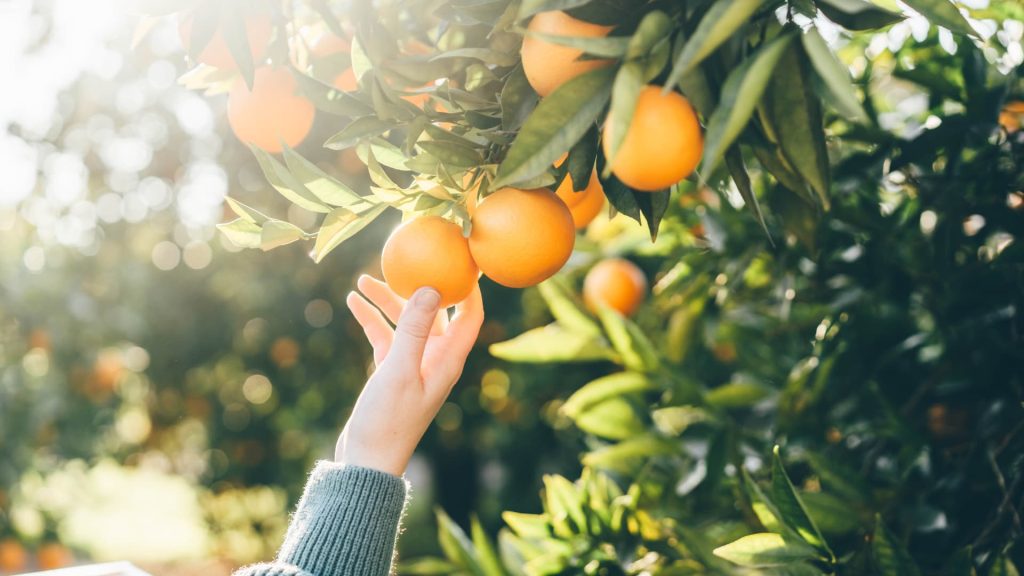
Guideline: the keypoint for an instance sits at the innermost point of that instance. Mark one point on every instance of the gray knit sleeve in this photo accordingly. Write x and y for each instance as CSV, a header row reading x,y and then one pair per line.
x,y
346,524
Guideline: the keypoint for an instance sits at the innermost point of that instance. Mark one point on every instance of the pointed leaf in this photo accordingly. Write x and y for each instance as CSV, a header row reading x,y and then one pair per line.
x,y
890,556
246,212
237,40
552,344
456,545
324,187
858,14
555,125
286,183
489,562
719,23
764,549
242,233
339,225
357,130
835,75
565,310
629,341
792,509
740,95
277,233
604,388
738,171
653,206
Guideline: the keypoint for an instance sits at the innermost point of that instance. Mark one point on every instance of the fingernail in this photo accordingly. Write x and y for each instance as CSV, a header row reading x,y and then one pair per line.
x,y
427,299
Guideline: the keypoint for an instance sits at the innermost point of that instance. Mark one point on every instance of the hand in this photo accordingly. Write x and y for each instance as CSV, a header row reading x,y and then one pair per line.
x,y
418,363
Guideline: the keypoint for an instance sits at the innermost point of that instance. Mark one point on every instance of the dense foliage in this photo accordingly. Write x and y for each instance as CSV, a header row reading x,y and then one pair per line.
x,y
826,378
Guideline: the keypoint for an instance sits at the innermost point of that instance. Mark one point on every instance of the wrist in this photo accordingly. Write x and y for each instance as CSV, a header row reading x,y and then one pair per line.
x,y
352,450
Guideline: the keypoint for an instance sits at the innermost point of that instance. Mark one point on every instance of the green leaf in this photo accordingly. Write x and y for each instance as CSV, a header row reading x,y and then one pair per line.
x,y
339,225
858,14
357,130
764,549
653,206
738,171
527,525
792,509
237,40
489,562
324,187
719,24
1003,566
603,46
562,501
564,308
246,212
674,420
278,175
796,116
620,196
629,341
242,233
277,233
452,155
456,545
552,343
611,386
890,556
361,63
943,13
555,125
764,508
835,75
629,82
738,394
833,515
627,455
517,99
740,95
329,99
582,158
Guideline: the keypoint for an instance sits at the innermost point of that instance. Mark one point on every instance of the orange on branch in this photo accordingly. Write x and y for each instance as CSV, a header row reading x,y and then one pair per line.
x,y
272,112
521,237
258,29
616,283
429,251
548,65
663,144
584,211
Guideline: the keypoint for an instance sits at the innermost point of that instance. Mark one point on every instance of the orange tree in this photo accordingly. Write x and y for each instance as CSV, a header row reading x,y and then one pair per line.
x,y
833,271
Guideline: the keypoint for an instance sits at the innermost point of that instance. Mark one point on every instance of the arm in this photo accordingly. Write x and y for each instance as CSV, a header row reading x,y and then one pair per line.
x,y
346,522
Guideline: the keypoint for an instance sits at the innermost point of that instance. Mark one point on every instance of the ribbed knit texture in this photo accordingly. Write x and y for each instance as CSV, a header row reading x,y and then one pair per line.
x,y
346,524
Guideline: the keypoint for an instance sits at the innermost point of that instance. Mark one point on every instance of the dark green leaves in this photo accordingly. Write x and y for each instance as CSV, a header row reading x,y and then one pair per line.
x,y
943,13
764,550
858,14
719,23
796,114
740,96
555,125
891,557
834,75
792,508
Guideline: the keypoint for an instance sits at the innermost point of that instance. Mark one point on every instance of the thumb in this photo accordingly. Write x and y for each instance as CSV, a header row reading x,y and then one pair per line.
x,y
414,326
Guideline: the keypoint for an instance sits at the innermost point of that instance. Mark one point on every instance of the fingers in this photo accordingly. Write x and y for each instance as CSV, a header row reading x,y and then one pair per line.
x,y
465,326
376,328
413,329
390,303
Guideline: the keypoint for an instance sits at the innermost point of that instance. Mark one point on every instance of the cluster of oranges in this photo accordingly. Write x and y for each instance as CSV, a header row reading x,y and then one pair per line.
x,y
15,558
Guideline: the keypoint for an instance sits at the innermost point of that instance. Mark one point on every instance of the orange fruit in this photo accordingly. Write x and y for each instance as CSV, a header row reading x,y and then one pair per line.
x,y
52,556
272,112
521,237
429,251
216,53
548,65
12,556
662,145
616,283
1010,117
349,162
590,206
346,81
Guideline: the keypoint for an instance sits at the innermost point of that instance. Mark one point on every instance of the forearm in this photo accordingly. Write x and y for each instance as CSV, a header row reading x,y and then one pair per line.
x,y
346,524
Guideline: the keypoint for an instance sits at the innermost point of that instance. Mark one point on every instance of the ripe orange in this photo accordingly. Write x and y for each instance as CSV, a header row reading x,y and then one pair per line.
x,y
584,205
216,53
616,283
52,556
548,65
272,112
429,251
663,144
521,237
1011,115
346,81
12,556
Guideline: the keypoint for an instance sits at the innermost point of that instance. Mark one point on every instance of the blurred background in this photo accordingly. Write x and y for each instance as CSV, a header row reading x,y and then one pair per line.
x,y
163,394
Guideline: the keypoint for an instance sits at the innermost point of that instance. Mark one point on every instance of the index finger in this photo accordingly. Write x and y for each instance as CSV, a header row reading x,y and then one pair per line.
x,y
465,325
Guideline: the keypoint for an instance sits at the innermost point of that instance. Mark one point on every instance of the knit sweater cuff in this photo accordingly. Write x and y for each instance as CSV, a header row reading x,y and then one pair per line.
x,y
346,522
